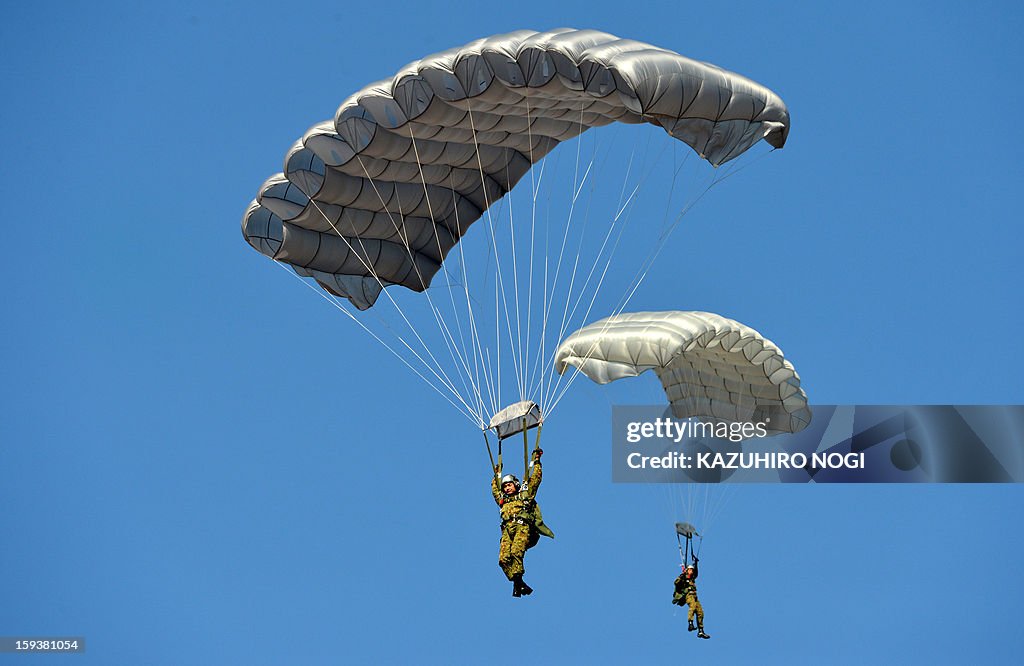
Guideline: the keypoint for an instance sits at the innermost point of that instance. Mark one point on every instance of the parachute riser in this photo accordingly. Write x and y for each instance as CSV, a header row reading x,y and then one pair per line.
x,y
510,421
684,551
688,552
526,455
487,443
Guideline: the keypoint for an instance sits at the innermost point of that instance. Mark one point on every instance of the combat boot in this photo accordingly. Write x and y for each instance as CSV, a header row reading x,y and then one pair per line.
x,y
701,634
690,627
524,588
517,585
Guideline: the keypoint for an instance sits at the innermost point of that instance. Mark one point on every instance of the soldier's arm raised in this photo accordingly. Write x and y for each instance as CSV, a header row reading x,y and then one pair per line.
x,y
535,476
495,488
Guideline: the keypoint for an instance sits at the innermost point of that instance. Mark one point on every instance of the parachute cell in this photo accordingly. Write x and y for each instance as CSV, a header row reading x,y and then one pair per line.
x,y
710,367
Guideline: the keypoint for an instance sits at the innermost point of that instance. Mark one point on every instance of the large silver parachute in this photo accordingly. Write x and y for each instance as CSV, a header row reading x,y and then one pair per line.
x,y
710,367
380,194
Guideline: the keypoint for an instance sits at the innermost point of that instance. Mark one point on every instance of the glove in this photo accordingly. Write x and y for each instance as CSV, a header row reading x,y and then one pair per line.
x,y
537,453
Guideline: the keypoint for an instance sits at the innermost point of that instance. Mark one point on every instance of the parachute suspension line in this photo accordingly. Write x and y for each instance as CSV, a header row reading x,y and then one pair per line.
x,y
700,503
419,274
480,364
327,297
729,172
453,347
554,283
497,343
459,346
442,377
535,183
568,315
534,388
514,350
517,348
645,267
672,187
604,244
538,361
474,332
577,189
533,361
627,205
489,371
648,263
500,285
550,286
713,509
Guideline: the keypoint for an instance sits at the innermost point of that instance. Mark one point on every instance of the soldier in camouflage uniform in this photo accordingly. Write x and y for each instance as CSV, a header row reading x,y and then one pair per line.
x,y
520,523
686,595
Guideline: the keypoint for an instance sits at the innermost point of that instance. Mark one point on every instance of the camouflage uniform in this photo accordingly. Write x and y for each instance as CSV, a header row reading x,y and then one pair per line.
x,y
517,529
686,595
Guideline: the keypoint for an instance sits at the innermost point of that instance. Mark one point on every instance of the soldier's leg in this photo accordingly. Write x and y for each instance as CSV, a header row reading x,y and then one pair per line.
x,y
520,542
700,618
505,558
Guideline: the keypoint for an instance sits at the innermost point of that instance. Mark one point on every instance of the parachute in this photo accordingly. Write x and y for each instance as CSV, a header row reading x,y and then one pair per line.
x,y
385,193
710,367
379,195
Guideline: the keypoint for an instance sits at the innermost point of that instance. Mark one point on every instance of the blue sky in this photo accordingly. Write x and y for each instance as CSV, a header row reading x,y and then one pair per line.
x,y
200,462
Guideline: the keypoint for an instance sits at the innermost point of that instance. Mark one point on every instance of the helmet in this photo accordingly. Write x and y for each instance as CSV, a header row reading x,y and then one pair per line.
x,y
510,478
690,566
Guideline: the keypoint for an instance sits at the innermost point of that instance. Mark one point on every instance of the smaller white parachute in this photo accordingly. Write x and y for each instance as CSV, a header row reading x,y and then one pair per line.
x,y
711,367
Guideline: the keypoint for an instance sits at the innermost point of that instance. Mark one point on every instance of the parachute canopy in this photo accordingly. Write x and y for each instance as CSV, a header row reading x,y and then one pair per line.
x,y
382,192
710,367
